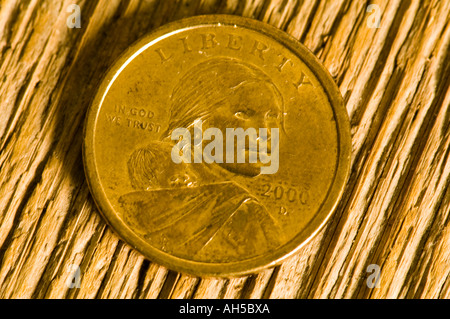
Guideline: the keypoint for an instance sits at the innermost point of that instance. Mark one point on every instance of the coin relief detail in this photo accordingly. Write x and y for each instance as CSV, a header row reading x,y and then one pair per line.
x,y
217,145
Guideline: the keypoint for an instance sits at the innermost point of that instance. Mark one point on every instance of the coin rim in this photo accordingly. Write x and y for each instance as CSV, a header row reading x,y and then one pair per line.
x,y
254,264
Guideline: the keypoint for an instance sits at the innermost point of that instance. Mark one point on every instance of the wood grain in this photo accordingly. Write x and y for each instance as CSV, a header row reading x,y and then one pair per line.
x,y
395,210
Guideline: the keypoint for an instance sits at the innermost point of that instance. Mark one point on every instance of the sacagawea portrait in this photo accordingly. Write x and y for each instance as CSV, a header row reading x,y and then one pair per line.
x,y
197,211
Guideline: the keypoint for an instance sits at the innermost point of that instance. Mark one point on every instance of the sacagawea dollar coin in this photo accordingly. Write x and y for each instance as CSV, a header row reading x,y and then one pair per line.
x,y
217,146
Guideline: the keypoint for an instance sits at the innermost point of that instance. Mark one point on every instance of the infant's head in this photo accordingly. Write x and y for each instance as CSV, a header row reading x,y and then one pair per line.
x,y
150,168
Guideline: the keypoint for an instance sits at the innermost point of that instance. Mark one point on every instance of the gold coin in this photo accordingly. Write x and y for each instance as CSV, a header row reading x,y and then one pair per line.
x,y
217,145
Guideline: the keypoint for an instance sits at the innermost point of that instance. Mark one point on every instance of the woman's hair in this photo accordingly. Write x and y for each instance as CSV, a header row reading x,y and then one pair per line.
x,y
208,84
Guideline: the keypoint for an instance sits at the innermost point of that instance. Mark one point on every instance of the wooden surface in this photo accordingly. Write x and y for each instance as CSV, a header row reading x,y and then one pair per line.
x,y
395,210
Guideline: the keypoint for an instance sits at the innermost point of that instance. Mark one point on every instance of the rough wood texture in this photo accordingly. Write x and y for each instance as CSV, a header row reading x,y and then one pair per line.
x,y
395,211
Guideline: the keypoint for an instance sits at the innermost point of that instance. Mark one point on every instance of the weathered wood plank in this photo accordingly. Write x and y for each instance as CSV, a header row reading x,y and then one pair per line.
x,y
395,210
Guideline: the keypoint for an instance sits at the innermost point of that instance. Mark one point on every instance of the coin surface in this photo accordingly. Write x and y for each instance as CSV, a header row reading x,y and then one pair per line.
x,y
156,143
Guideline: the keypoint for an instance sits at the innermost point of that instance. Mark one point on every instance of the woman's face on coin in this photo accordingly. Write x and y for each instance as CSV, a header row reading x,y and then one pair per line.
x,y
253,105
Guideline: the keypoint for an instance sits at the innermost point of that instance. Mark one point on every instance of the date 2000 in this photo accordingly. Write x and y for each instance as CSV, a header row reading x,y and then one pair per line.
x,y
280,192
